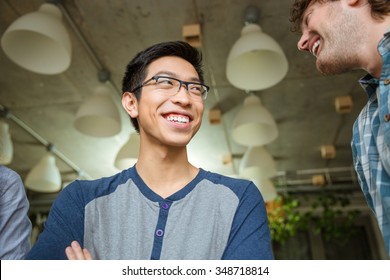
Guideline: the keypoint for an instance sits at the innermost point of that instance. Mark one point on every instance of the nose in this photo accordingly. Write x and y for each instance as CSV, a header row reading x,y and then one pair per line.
x,y
303,43
182,96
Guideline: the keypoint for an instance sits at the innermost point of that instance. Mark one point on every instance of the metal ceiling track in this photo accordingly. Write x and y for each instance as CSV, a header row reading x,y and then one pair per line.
x,y
7,114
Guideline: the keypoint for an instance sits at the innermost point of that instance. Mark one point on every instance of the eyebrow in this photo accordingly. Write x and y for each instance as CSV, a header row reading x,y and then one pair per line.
x,y
174,75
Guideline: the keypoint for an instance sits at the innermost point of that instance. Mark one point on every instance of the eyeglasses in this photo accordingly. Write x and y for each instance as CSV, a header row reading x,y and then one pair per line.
x,y
172,86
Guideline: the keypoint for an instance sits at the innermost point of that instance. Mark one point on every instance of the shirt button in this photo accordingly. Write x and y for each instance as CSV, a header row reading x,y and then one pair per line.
x,y
159,232
387,117
387,81
165,205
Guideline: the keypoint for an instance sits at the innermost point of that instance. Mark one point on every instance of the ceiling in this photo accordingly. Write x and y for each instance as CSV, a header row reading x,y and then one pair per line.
x,y
111,32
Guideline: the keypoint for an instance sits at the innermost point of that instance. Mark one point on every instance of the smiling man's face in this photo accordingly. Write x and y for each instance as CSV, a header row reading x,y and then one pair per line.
x,y
330,31
171,119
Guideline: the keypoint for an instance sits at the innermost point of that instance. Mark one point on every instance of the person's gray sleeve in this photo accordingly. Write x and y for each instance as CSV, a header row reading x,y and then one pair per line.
x,y
15,226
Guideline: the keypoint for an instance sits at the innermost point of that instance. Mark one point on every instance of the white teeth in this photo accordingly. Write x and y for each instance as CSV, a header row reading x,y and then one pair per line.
x,y
180,119
315,47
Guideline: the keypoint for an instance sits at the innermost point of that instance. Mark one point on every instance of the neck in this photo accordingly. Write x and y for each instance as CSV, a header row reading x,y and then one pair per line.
x,y
373,60
165,170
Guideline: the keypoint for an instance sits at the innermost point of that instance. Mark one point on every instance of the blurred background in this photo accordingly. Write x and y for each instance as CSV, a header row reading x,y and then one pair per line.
x,y
269,116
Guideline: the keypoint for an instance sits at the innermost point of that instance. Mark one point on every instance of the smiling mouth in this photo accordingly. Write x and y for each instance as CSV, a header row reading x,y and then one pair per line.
x,y
314,49
178,119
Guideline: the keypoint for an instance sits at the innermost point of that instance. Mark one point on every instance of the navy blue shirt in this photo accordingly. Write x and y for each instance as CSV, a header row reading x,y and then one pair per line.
x,y
120,217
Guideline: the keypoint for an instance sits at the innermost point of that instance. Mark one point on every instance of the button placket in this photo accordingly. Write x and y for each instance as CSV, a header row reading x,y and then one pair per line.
x,y
159,232
164,205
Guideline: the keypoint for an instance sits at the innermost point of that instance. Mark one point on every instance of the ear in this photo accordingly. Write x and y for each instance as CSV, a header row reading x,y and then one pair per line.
x,y
130,104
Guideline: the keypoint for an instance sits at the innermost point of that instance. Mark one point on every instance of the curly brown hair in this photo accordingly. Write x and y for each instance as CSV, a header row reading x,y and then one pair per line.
x,y
379,9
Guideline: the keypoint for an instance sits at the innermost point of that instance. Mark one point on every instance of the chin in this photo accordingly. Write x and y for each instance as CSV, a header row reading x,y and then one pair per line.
x,y
330,67
178,141
331,71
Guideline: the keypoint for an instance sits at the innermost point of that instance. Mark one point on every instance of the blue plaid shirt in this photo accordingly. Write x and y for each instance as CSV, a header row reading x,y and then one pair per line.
x,y
371,143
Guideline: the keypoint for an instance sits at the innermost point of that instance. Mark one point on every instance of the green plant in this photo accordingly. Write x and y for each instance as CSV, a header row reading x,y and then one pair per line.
x,y
334,220
327,215
285,219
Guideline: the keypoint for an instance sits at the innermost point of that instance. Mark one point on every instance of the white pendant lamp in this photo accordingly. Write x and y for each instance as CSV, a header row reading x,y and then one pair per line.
x,y
257,163
254,125
265,186
98,116
39,41
267,189
256,61
6,146
128,154
45,176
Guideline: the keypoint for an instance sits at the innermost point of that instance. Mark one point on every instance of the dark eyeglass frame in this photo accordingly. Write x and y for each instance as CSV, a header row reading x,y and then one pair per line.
x,y
156,77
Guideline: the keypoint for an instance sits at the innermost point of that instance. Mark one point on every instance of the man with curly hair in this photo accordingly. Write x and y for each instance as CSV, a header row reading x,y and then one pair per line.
x,y
345,35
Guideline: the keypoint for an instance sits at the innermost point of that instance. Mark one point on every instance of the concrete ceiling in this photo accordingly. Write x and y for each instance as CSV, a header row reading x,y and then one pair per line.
x,y
115,30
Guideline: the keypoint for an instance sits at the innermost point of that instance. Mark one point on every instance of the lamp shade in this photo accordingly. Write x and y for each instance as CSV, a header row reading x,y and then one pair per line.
x,y
6,146
257,163
256,61
45,176
128,154
98,116
267,189
38,41
265,186
254,125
